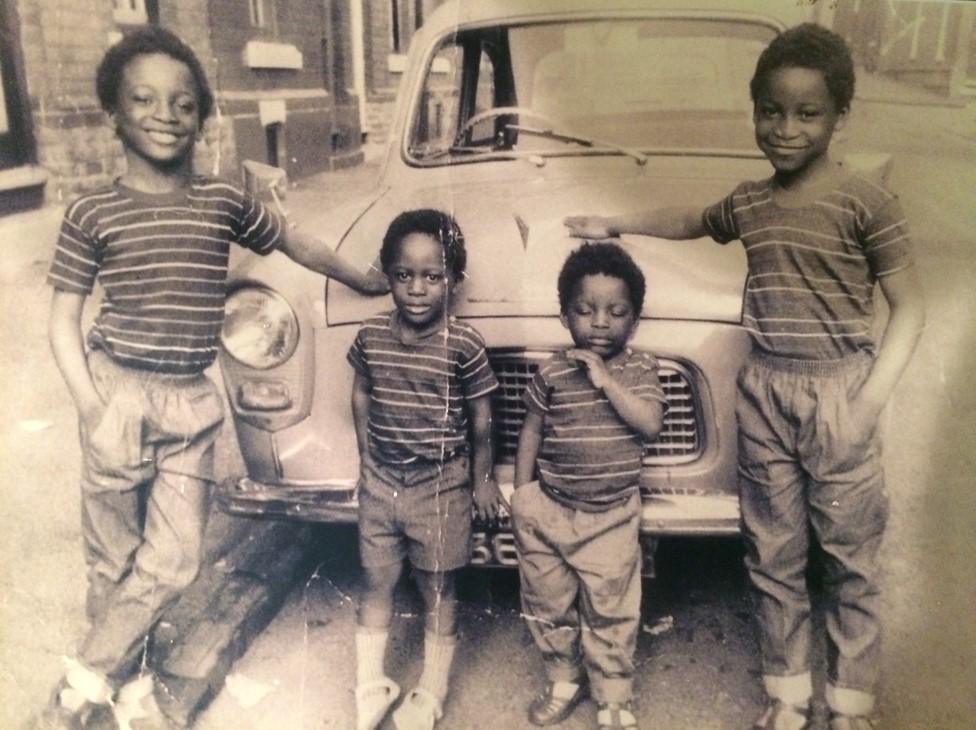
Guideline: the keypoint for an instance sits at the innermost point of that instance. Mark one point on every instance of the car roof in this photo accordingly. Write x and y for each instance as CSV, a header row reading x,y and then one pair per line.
x,y
459,13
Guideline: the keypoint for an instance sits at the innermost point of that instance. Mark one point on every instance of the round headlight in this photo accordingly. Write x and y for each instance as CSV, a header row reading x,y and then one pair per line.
x,y
260,328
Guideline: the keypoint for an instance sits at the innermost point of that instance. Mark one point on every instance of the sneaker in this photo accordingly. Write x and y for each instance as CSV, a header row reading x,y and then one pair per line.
x,y
851,722
780,715
616,716
67,710
136,707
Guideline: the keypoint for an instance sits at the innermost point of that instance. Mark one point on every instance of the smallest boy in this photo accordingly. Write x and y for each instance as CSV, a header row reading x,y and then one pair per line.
x,y
590,409
422,412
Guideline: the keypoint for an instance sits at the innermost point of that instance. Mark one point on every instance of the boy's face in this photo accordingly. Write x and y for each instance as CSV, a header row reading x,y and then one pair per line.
x,y
600,316
420,283
157,116
795,117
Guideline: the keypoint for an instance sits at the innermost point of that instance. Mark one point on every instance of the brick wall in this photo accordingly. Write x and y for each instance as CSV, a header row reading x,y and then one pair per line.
x,y
63,41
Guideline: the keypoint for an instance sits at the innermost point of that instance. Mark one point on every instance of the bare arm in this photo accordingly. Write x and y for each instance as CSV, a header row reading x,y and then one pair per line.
x,y
676,223
488,499
67,344
360,412
530,439
317,255
905,322
644,416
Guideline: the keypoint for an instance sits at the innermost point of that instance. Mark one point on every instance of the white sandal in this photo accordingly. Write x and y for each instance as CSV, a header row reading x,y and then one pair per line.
x,y
420,710
373,701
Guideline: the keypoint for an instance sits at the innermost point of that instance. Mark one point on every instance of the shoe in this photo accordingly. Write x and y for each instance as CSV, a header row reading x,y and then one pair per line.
x,y
851,722
373,701
610,715
136,707
780,715
549,708
66,710
420,710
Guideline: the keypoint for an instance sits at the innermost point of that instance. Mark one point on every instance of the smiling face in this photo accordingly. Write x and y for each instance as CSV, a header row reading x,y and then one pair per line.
x,y
157,116
420,283
600,316
795,118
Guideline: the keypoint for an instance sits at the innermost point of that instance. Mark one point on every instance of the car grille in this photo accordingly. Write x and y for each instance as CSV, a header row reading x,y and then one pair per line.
x,y
678,442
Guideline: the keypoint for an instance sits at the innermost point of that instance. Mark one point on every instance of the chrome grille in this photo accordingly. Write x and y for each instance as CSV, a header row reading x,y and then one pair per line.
x,y
678,442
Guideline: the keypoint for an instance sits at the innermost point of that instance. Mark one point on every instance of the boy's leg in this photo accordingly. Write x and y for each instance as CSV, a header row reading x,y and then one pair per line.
x,y
849,511
772,497
606,555
165,563
549,587
440,635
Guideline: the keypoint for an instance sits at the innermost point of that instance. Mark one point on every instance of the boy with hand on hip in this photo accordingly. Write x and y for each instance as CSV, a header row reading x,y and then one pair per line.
x,y
158,241
589,410
422,409
817,239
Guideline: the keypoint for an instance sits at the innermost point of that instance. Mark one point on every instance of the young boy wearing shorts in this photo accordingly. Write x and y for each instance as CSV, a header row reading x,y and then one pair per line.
x,y
589,410
422,409
817,240
158,241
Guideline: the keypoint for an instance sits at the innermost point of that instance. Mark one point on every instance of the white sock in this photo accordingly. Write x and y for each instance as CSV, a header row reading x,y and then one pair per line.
x,y
438,656
370,652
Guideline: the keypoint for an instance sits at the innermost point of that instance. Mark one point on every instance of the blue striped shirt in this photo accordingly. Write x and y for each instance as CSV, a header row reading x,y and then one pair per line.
x,y
812,269
418,391
162,262
589,456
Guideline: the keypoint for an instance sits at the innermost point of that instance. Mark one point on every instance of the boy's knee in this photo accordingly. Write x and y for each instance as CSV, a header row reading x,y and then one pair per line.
x,y
382,579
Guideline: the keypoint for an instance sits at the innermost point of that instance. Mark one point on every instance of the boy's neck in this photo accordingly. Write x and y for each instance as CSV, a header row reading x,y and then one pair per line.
x,y
808,182
147,177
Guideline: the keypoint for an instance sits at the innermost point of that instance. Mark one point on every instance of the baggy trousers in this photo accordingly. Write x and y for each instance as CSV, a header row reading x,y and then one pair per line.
x,y
581,588
802,471
147,473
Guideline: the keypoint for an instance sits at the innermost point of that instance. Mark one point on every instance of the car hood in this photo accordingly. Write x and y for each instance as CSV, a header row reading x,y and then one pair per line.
x,y
516,240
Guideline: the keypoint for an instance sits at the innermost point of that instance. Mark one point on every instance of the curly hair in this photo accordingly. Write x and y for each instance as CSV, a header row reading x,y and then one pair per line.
x,y
600,258
435,223
809,46
143,42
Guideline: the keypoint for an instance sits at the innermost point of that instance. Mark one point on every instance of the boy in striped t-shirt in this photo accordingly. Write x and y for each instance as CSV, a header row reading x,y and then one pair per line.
x,y
158,241
422,409
817,240
589,410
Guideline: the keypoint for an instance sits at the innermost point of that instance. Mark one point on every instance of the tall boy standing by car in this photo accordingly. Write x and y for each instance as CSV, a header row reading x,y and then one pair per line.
x,y
158,241
422,410
817,239
589,410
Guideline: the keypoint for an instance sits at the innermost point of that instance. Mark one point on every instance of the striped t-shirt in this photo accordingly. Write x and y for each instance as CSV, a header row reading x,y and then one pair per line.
x,y
812,269
589,457
162,262
418,391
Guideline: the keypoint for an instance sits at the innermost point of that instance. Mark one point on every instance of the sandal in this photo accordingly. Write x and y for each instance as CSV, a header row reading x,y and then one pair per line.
x,y
549,708
840,721
780,715
420,710
373,701
610,715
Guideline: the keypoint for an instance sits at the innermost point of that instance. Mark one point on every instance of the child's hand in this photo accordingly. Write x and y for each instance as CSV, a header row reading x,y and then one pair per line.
x,y
863,413
596,369
594,227
489,502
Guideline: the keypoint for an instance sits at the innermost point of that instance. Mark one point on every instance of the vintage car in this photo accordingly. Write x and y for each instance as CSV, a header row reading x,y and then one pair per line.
x,y
512,115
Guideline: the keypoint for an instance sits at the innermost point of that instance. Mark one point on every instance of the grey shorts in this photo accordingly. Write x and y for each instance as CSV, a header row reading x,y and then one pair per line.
x,y
421,513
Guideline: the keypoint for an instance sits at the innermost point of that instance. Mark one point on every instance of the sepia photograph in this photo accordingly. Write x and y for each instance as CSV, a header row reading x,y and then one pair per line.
x,y
488,364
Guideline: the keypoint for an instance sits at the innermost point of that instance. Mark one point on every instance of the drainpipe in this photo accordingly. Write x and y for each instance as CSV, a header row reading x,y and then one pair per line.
x,y
358,59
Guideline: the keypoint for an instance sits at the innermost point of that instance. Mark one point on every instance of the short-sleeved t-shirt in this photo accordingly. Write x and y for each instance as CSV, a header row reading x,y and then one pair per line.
x,y
589,458
419,390
162,262
812,269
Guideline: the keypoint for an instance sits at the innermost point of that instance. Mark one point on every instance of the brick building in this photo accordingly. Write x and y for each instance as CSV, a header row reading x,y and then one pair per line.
x,y
388,26
278,69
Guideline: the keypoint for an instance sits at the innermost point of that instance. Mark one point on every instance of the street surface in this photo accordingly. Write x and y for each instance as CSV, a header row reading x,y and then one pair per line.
x,y
698,663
